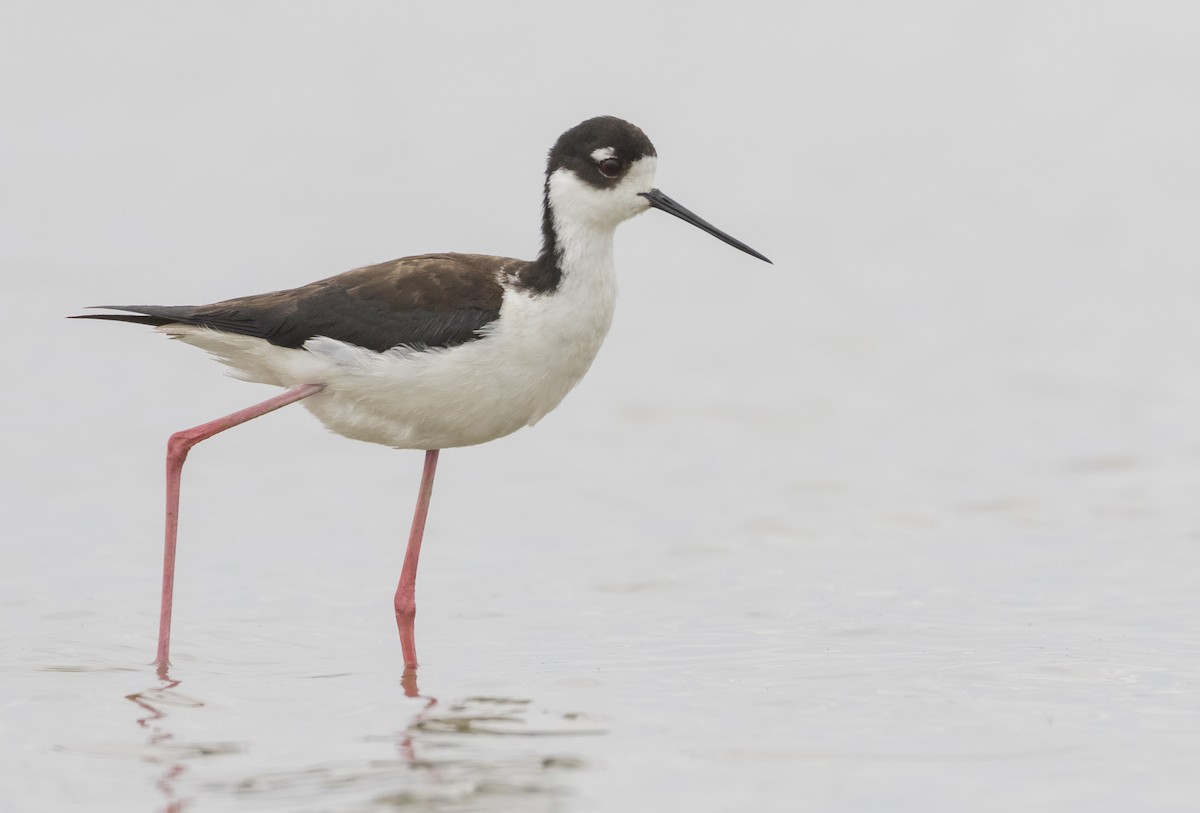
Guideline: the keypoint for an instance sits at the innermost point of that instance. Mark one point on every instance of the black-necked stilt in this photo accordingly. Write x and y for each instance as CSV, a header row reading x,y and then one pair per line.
x,y
439,350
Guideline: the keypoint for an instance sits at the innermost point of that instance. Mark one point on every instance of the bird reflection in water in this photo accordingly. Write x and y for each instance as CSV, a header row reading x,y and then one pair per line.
x,y
153,701
156,703
474,747
408,682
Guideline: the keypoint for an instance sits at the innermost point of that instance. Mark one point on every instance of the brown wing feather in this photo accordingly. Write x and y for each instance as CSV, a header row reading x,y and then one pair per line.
x,y
433,300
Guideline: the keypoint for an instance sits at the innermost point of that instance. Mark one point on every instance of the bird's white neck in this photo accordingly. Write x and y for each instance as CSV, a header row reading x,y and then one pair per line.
x,y
583,231
584,250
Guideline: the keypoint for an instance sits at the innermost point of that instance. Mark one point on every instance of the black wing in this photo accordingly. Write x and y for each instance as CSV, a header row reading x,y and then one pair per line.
x,y
434,300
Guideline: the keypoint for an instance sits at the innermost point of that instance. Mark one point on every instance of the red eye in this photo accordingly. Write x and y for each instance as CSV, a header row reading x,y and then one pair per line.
x,y
610,167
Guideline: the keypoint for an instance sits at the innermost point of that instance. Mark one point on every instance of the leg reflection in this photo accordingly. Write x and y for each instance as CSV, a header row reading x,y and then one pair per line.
x,y
408,681
153,701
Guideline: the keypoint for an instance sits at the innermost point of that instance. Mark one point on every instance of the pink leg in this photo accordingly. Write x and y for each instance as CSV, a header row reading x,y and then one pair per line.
x,y
177,451
406,599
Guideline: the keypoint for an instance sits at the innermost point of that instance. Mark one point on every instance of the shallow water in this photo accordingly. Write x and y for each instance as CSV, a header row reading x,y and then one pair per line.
x,y
907,521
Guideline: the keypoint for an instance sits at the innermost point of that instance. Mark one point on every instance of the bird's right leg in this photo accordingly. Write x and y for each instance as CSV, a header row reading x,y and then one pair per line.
x,y
177,451
406,590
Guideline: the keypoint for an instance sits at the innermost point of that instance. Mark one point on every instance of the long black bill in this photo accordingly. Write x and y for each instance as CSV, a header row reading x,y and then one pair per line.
x,y
660,201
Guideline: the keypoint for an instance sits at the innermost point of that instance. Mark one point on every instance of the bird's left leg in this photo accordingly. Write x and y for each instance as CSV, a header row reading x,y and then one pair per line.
x,y
177,451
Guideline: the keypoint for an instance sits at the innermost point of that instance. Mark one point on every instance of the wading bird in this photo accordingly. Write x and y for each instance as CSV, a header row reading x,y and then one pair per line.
x,y
438,350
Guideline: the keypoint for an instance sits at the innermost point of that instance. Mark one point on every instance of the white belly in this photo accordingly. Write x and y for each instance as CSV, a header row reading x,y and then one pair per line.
x,y
523,366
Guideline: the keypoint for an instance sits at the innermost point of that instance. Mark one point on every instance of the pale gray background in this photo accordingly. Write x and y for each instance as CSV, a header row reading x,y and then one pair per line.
x,y
908,521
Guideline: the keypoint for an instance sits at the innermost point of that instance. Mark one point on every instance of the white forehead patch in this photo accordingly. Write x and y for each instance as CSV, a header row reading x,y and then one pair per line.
x,y
602,154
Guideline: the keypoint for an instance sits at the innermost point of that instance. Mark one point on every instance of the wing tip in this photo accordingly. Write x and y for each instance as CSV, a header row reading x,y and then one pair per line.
x,y
133,313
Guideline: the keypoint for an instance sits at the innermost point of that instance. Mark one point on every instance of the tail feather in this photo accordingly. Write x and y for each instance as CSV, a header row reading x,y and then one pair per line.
x,y
153,315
